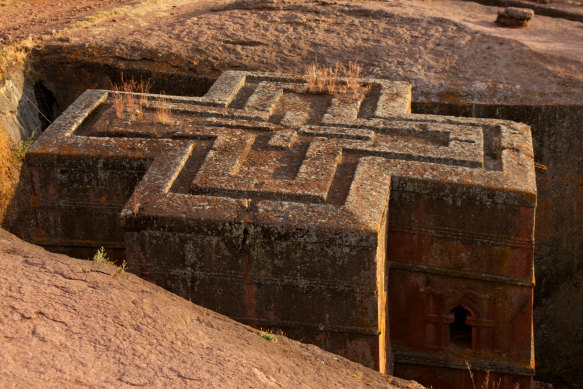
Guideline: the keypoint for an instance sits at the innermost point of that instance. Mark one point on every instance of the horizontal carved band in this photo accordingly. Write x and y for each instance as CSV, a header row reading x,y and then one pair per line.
x,y
415,267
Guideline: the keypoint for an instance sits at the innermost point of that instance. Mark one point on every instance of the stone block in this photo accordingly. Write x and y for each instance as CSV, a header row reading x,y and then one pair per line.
x,y
515,17
343,220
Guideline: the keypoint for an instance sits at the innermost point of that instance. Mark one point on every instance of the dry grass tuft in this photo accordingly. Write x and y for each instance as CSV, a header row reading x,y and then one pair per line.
x,y
312,74
322,80
14,54
163,113
354,73
333,74
326,80
118,102
130,96
132,105
486,383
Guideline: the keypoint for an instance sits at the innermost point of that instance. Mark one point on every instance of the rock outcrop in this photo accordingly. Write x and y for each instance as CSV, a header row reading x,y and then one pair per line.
x,y
515,17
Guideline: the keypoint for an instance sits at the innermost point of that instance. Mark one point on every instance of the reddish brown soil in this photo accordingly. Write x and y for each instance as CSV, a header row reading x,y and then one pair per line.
x,y
19,18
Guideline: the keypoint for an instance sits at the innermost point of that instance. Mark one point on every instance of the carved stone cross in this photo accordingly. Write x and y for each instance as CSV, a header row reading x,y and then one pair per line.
x,y
342,219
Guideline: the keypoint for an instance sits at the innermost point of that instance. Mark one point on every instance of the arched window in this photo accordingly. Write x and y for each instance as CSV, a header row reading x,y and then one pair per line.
x,y
460,332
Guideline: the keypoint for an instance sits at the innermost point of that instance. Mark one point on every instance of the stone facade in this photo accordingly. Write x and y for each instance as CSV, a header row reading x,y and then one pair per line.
x,y
401,241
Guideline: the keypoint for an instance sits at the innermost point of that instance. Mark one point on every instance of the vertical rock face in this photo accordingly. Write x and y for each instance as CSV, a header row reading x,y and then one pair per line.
x,y
19,117
396,240
558,321
559,248
19,120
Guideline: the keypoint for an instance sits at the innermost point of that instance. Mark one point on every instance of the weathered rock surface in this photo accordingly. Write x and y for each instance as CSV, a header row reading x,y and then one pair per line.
x,y
563,311
515,17
71,323
519,13
18,114
451,56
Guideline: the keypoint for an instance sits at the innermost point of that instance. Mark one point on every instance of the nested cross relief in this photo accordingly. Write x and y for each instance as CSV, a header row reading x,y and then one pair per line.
x,y
263,136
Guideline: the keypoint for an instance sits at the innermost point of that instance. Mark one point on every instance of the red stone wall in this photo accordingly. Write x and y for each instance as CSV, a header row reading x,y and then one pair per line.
x,y
453,251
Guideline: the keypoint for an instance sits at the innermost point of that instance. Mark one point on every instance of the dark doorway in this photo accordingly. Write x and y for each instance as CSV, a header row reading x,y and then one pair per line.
x,y
460,332
47,104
